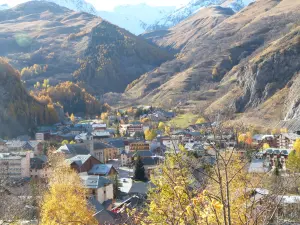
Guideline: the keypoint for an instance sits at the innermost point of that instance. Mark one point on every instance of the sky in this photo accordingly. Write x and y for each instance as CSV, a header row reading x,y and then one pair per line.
x,y
110,4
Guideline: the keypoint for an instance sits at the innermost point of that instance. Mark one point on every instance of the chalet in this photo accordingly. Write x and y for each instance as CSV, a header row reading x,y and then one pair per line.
x,y
82,163
99,187
103,170
287,140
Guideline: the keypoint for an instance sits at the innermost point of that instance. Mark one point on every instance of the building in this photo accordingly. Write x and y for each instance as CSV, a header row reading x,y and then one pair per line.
x,y
99,187
19,146
117,143
82,163
3,147
131,128
39,168
71,150
139,146
287,140
104,152
99,127
103,170
15,165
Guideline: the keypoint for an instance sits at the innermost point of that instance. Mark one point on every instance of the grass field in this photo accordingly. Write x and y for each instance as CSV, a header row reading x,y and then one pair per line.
x,y
184,120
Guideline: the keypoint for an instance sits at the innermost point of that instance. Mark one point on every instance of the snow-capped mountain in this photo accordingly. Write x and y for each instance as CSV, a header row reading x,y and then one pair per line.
x,y
192,7
4,6
136,18
76,5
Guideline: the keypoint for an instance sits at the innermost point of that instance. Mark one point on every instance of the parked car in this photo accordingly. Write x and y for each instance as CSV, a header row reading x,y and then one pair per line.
x,y
276,153
269,152
284,153
259,155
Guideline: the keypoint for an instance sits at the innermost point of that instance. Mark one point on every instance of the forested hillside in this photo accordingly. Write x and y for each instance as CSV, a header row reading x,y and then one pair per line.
x,y
19,112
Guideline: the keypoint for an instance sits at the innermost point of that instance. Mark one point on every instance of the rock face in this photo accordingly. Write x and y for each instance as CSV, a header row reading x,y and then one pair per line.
x,y
246,61
74,46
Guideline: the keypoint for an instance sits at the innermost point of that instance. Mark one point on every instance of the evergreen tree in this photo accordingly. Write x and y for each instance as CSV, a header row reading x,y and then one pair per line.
x,y
117,186
139,170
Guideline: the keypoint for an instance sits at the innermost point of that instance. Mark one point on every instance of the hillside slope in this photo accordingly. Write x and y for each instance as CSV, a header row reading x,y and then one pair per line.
x,y
74,45
19,112
234,65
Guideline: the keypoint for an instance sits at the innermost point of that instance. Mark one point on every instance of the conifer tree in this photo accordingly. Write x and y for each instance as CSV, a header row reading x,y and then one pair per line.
x,y
139,170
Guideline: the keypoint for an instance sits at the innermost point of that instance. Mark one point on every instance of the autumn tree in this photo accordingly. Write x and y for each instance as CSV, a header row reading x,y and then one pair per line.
x,y
200,120
72,118
293,162
66,200
161,126
172,200
46,84
65,142
266,146
150,134
167,130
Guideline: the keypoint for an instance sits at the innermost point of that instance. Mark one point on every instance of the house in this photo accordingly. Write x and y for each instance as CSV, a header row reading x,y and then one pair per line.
x,y
103,170
117,143
39,168
139,146
127,158
150,164
15,165
104,152
18,146
101,134
75,130
82,163
102,215
287,140
71,150
260,139
99,187
131,128
99,127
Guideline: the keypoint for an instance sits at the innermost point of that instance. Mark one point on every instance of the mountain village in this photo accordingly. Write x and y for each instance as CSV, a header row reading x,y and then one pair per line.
x,y
105,152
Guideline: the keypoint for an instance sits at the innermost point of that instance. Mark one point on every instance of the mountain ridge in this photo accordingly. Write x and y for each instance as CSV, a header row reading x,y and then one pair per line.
x,y
212,70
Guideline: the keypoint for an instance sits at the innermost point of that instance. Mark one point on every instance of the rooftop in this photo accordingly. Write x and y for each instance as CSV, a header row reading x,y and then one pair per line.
x,y
93,181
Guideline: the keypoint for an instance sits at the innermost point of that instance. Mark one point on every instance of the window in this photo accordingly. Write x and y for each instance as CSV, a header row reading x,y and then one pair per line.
x,y
104,192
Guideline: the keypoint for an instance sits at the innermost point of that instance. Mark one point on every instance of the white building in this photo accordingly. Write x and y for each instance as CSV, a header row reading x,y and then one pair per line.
x,y
99,187
15,165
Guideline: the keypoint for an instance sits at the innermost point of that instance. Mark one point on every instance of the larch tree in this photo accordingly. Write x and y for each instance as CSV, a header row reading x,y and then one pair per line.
x,y
161,126
150,134
65,202
172,200
266,146
72,118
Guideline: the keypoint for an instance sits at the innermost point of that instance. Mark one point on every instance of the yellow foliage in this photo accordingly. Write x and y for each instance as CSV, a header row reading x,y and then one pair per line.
x,y
200,120
66,200
172,201
150,134
283,130
266,146
104,116
72,118
161,126
167,130
145,120
296,146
